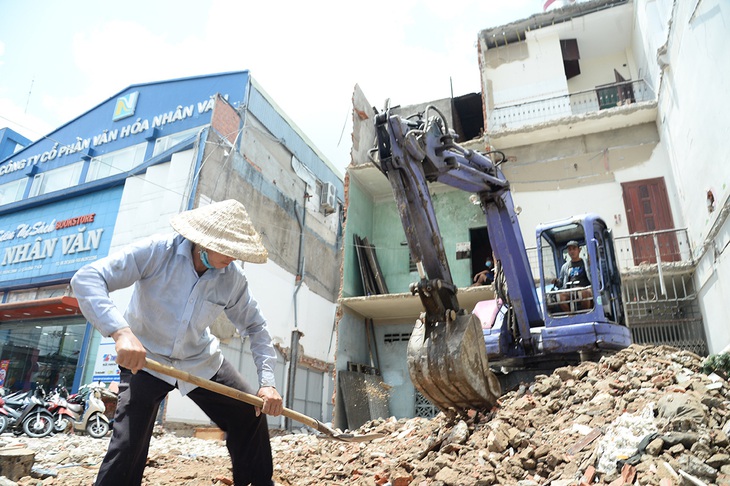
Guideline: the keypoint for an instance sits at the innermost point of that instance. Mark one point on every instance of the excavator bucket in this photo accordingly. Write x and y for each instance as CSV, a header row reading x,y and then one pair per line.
x,y
449,365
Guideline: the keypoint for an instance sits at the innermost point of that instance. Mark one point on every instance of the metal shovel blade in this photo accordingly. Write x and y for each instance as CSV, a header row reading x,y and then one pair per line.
x,y
449,365
257,402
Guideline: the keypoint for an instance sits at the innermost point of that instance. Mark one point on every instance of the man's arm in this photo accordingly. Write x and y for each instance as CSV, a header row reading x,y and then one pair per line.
x,y
265,357
92,285
130,352
563,277
245,315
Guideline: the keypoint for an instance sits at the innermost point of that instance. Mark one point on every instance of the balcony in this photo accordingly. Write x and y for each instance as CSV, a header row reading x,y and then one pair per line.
x,y
654,252
581,112
579,103
660,299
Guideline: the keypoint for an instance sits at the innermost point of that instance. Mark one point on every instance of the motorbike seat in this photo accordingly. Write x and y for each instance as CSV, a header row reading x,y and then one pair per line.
x,y
16,402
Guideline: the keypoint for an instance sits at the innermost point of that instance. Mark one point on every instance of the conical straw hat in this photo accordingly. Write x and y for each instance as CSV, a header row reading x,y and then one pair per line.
x,y
223,227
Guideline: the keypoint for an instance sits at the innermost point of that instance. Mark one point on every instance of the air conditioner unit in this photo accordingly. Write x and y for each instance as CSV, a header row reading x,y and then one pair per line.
x,y
328,198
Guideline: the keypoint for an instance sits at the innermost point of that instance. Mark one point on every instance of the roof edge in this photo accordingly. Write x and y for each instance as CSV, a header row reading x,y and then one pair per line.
x,y
515,31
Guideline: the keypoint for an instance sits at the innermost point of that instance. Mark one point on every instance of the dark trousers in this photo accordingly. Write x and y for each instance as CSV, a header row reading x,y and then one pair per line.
x,y
140,395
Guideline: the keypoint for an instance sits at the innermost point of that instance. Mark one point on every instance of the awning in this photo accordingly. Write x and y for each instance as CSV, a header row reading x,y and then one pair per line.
x,y
39,309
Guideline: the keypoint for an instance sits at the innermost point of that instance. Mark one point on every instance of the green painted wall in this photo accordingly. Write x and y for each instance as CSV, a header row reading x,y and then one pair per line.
x,y
455,215
352,346
360,222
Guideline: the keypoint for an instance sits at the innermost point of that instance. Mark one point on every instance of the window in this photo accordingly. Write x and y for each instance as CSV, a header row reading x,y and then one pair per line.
x,y
56,179
424,408
12,191
165,143
308,392
551,271
393,337
571,57
116,162
38,293
40,352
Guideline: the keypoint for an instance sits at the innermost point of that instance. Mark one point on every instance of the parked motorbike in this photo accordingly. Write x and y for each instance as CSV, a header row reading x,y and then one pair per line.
x,y
4,415
26,412
83,411
57,401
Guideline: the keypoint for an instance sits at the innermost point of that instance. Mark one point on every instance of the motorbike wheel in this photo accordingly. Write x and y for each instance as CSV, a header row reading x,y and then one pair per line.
x,y
38,425
97,427
3,423
61,424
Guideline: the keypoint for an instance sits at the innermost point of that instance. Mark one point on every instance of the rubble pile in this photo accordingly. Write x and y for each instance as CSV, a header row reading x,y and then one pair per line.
x,y
646,415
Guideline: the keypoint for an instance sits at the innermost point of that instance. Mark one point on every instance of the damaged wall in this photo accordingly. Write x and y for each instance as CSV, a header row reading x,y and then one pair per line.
x,y
554,180
513,75
261,174
359,221
455,215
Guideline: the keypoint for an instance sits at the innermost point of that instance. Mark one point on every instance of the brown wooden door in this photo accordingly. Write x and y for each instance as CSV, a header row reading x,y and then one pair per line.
x,y
648,210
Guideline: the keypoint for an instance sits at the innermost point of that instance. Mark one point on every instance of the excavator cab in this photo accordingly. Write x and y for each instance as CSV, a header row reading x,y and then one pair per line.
x,y
579,274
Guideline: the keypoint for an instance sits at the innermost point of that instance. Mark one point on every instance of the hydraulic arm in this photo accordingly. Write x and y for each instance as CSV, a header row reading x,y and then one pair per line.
x,y
448,350
446,354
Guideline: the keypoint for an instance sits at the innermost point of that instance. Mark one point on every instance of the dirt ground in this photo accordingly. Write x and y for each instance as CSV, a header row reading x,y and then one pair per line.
x,y
161,470
647,415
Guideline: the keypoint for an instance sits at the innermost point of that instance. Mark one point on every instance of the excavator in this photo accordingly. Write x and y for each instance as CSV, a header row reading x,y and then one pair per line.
x,y
455,359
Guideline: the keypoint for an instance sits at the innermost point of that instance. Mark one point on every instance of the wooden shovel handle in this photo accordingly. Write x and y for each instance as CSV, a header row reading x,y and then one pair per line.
x,y
227,391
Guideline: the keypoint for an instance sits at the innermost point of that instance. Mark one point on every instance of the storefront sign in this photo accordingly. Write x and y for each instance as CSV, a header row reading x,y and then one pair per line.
x,y
139,126
143,113
105,368
57,238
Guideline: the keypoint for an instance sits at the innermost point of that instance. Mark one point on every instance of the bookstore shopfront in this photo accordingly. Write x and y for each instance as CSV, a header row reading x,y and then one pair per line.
x,y
44,338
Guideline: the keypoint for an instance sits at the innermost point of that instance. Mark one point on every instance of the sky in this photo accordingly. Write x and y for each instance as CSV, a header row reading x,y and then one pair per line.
x,y
59,59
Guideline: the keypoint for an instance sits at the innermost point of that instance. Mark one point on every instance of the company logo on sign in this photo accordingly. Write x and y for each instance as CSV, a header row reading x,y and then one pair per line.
x,y
125,106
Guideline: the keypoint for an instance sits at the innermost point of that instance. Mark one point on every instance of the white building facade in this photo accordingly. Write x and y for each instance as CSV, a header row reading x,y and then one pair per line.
x,y
598,107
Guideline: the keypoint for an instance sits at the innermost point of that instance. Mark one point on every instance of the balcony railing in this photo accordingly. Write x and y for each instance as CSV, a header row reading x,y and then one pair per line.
x,y
578,103
639,253
658,289
643,251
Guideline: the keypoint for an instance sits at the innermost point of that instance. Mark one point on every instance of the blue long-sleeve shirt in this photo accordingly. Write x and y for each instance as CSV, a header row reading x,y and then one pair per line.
x,y
172,308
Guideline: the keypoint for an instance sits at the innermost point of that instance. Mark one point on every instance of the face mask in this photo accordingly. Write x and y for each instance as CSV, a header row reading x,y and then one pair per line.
x,y
204,259
488,264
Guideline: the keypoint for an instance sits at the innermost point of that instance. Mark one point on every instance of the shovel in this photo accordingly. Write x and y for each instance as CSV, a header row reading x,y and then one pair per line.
x,y
257,402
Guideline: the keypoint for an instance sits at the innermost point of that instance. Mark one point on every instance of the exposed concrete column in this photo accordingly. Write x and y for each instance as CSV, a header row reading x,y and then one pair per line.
x,y
291,377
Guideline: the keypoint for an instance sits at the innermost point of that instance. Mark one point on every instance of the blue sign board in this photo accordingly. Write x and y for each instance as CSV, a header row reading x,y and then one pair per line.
x,y
54,240
140,113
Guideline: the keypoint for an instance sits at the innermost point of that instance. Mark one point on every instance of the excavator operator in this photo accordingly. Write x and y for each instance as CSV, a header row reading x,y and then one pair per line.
x,y
574,275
